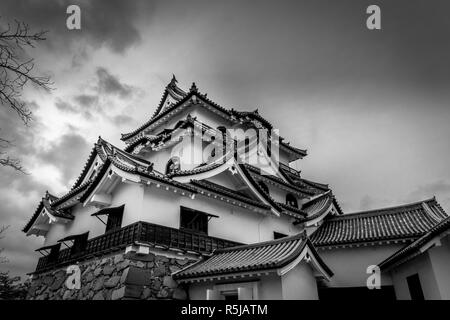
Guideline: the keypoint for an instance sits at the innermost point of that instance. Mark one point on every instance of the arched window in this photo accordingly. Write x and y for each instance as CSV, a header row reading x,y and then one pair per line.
x,y
222,129
246,145
291,200
224,135
264,186
173,165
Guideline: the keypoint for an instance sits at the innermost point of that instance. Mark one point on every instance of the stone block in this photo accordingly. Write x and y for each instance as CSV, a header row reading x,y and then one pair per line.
x,y
98,284
169,282
146,293
133,291
108,270
118,294
122,265
98,296
118,258
112,282
159,271
179,294
138,276
164,293
174,268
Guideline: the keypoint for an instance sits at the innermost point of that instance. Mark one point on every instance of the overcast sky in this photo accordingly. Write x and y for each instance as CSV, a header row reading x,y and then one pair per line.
x,y
371,107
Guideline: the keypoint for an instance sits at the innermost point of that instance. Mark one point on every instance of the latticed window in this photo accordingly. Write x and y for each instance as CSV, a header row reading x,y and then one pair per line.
x,y
194,220
114,222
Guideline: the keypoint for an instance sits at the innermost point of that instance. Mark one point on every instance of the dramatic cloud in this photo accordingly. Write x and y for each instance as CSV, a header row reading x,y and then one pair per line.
x,y
109,84
123,119
106,91
66,154
110,23
86,100
371,107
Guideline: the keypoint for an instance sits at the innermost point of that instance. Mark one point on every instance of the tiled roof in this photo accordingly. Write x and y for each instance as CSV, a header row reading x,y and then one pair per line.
x,y
318,205
408,221
129,163
196,170
413,249
45,203
86,168
280,181
260,190
295,212
180,96
78,191
204,184
263,256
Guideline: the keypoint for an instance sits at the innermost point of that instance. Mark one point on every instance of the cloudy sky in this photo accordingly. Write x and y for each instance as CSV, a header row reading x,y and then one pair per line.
x,y
371,107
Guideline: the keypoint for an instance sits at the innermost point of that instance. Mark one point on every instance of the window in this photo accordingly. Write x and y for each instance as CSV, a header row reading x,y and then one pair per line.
x,y
193,220
246,145
223,130
114,221
173,165
114,217
415,288
79,243
291,200
231,296
54,253
264,186
278,235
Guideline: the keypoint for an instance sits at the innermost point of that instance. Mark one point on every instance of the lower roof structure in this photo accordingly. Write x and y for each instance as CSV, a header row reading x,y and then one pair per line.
x,y
260,257
416,248
408,222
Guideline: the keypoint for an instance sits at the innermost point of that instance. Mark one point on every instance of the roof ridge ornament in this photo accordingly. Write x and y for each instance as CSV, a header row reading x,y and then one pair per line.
x,y
174,81
193,88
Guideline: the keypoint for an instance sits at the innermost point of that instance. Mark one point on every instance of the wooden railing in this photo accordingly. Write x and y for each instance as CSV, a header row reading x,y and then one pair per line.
x,y
143,232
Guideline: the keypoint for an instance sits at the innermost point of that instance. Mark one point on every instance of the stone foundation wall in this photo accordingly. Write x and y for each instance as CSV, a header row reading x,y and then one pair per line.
x,y
115,277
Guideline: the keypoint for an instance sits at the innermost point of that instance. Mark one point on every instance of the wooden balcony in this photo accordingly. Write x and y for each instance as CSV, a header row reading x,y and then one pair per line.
x,y
142,232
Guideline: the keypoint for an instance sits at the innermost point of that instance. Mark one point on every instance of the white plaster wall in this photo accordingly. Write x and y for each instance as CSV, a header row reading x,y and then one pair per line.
x,y
82,223
269,288
197,291
423,267
440,261
159,159
299,283
132,195
239,224
222,179
160,207
349,265
156,205
125,193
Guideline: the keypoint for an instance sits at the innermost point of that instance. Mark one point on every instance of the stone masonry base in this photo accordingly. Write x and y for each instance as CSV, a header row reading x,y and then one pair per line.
x,y
115,277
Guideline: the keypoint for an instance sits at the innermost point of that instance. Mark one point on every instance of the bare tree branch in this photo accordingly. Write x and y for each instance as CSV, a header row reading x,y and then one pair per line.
x,y
6,160
15,72
2,259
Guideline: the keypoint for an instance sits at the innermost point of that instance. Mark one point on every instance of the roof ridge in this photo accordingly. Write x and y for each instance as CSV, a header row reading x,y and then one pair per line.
x,y
382,210
301,235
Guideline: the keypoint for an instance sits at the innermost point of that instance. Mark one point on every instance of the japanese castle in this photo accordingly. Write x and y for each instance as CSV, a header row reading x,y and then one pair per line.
x,y
178,213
